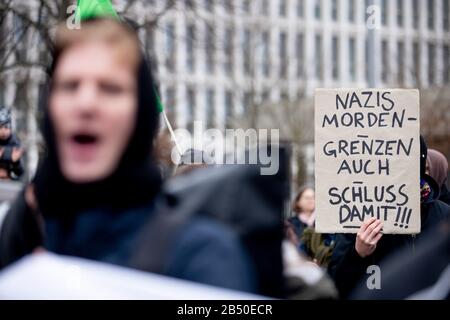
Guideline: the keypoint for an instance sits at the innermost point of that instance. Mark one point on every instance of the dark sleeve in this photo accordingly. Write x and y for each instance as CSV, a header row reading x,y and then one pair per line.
x,y
20,233
346,266
17,168
7,153
209,253
412,276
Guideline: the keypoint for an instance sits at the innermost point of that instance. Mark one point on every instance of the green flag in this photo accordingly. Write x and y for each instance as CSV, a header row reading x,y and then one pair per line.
x,y
87,9
159,104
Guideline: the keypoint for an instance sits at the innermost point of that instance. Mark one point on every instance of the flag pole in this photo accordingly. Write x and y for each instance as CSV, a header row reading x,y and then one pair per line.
x,y
166,120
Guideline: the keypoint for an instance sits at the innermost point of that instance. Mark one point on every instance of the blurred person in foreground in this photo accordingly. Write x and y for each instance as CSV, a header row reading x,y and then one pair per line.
x,y
437,168
304,279
95,190
353,254
11,152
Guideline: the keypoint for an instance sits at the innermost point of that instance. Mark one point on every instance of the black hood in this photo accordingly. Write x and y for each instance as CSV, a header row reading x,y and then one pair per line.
x,y
136,179
435,189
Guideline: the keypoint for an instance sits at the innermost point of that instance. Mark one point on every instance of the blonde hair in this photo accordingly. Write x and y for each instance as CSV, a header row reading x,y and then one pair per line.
x,y
102,30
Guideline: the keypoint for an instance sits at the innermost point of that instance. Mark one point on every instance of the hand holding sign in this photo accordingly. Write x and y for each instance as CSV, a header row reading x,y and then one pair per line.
x,y
368,236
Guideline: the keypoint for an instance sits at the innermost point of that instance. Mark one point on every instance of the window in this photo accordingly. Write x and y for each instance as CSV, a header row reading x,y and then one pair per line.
x,y
352,58
317,9
446,64
246,6
334,10
384,61
265,97
264,7
229,108
367,4
284,96
190,48
266,54
170,47
400,63
416,63
430,10
246,52
190,109
229,41
209,5
228,5
400,9
283,55
210,49
248,102
384,10
415,13
299,45
445,15
282,8
367,58
168,4
210,108
300,8
431,63
319,55
335,57
351,10
189,4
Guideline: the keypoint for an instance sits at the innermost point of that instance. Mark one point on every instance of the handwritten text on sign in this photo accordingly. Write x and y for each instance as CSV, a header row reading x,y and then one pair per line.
x,y
367,159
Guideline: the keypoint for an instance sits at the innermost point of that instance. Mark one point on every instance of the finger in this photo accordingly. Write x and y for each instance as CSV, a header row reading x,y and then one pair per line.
x,y
370,228
376,239
374,232
366,224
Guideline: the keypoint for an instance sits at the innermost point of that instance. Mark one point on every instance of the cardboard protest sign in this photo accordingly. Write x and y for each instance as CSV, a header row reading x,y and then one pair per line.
x,y
367,159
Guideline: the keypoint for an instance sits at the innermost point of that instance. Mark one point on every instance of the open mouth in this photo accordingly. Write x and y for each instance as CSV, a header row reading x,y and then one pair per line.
x,y
85,139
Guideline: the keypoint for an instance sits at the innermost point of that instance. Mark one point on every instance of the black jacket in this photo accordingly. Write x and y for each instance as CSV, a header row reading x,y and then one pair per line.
x,y
15,169
444,196
426,275
347,268
299,226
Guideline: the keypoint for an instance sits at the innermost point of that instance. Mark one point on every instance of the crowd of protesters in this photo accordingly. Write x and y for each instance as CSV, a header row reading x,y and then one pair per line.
x,y
95,192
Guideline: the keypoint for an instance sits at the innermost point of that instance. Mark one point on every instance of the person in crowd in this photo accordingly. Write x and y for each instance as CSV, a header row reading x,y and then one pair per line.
x,y
163,154
193,159
96,188
437,168
424,275
316,246
11,152
303,207
353,254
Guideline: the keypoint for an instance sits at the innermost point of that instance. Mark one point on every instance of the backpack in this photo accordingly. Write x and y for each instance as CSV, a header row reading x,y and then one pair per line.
x,y
238,196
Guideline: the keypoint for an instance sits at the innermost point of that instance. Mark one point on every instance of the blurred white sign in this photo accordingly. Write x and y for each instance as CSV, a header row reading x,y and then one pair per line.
x,y
49,276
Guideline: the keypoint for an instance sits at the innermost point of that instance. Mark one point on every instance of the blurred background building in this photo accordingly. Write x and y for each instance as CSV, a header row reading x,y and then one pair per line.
x,y
251,63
